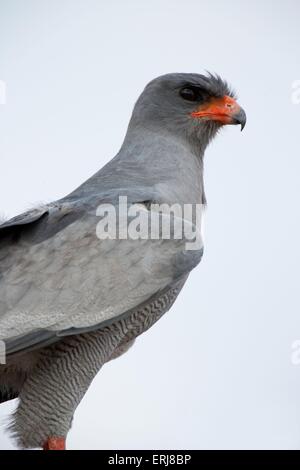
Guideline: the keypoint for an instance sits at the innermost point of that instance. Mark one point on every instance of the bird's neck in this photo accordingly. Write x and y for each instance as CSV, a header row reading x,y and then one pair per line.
x,y
167,162
154,162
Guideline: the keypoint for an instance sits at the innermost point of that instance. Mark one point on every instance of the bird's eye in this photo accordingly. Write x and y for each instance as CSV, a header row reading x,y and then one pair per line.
x,y
189,94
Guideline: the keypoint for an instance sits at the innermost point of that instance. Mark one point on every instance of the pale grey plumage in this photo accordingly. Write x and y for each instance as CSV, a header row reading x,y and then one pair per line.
x,y
60,284
74,280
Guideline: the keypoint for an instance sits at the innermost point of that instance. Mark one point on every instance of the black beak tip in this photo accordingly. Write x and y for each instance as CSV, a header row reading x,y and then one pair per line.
x,y
241,118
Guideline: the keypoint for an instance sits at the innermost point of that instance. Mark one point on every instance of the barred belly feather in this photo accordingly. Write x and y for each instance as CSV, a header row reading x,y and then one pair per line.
x,y
63,372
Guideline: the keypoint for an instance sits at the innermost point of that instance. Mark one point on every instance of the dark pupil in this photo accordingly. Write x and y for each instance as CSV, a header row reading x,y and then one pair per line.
x,y
188,94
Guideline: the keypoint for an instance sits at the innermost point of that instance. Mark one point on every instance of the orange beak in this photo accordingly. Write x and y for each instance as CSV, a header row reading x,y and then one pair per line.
x,y
224,110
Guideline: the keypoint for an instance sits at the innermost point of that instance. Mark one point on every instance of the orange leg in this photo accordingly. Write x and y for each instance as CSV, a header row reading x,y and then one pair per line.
x,y
55,443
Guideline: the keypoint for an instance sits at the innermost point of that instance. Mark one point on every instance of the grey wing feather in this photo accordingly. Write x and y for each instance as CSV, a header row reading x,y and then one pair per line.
x,y
24,219
59,278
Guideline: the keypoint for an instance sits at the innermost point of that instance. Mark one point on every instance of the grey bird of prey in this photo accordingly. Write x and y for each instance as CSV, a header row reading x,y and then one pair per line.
x,y
71,301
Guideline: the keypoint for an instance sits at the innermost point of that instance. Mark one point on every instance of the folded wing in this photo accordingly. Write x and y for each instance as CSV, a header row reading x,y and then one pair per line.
x,y
57,276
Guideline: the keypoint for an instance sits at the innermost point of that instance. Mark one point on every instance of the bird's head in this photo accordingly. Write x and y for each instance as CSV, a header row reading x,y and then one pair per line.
x,y
189,105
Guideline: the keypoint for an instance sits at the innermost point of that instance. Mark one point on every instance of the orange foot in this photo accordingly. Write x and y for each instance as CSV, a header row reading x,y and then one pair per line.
x,y
55,443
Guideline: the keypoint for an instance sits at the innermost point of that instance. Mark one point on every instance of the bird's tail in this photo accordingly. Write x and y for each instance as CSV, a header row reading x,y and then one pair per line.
x,y
9,394
11,382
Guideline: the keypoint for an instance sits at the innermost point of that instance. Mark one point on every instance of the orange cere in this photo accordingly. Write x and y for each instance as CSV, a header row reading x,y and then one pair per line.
x,y
218,109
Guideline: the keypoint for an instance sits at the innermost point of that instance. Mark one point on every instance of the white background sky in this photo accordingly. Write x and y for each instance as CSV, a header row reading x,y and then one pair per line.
x,y
216,371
